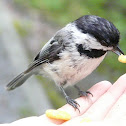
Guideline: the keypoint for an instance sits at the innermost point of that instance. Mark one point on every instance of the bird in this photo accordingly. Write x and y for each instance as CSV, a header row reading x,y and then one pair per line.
x,y
73,53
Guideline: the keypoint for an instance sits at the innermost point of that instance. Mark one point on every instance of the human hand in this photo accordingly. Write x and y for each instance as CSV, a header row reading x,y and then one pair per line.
x,y
106,107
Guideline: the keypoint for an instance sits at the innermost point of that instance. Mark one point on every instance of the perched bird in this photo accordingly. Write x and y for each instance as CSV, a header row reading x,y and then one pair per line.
x,y
73,53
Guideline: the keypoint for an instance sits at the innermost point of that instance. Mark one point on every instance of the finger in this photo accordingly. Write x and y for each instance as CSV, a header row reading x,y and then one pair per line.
x,y
103,105
97,90
118,111
95,123
29,121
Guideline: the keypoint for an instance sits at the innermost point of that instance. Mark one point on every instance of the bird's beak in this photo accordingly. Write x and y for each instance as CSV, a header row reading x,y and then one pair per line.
x,y
117,51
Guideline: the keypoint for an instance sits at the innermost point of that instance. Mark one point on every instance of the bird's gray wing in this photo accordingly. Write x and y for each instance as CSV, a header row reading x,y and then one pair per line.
x,y
48,54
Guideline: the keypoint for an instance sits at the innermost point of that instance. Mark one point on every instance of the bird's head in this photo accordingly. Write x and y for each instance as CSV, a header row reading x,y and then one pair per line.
x,y
102,30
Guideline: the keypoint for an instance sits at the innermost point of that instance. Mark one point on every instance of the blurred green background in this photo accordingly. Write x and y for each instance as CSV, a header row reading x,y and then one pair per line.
x,y
60,12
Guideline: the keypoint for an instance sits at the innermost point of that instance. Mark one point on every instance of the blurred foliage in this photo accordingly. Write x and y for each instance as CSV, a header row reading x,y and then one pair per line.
x,y
22,29
64,11
26,112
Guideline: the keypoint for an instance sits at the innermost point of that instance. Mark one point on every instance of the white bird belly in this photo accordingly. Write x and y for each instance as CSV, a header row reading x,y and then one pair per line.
x,y
67,72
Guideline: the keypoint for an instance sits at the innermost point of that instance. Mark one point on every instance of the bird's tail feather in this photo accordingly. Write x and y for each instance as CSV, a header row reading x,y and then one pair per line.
x,y
19,80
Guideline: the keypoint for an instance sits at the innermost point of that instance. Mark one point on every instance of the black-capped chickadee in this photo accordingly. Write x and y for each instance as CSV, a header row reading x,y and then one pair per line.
x,y
73,53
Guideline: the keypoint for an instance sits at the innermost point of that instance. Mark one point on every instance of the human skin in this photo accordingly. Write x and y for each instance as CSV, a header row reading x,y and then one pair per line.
x,y
106,107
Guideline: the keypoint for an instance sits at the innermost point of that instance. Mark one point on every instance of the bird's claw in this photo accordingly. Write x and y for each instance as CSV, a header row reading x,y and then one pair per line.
x,y
73,103
85,93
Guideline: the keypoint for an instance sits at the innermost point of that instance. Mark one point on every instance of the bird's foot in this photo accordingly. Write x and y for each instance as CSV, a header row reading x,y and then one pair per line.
x,y
73,103
85,93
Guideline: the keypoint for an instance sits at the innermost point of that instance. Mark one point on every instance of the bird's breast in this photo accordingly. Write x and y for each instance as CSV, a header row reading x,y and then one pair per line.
x,y
69,70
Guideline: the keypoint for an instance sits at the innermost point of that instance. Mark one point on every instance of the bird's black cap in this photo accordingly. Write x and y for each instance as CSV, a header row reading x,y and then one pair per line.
x,y
103,30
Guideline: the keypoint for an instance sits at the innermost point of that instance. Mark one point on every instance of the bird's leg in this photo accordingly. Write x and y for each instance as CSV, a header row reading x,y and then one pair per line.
x,y
83,93
69,100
